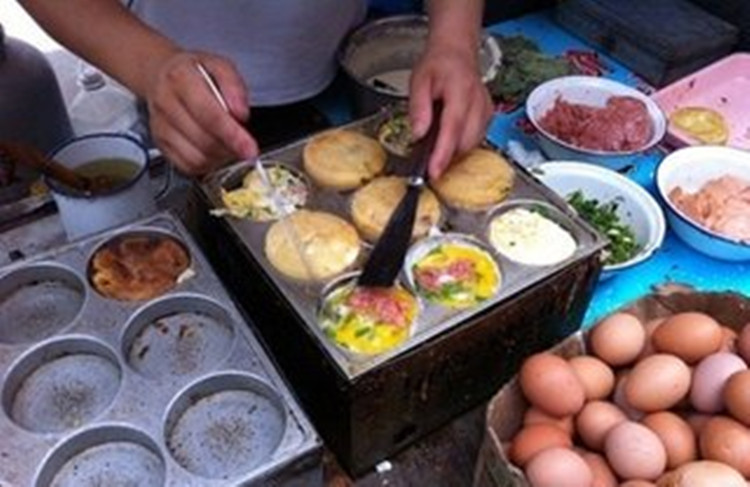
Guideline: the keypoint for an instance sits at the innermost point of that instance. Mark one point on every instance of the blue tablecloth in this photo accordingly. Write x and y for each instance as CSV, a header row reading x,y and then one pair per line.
x,y
674,262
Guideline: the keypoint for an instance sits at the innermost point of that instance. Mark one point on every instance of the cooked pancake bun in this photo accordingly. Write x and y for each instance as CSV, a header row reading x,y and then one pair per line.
x,y
343,159
138,267
373,204
311,245
477,180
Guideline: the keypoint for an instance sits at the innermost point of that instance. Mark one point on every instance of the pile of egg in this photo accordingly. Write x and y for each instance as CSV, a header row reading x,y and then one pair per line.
x,y
664,403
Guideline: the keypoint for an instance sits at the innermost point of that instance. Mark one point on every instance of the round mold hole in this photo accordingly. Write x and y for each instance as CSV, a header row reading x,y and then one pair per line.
x,y
341,325
225,425
244,195
177,336
459,271
61,385
138,265
38,301
537,249
110,455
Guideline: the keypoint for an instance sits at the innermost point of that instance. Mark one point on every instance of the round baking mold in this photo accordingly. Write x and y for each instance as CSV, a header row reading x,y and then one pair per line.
x,y
178,335
225,425
109,455
147,233
61,385
38,301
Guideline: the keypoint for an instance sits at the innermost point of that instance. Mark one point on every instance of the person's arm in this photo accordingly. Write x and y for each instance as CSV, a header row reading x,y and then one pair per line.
x,y
189,126
449,71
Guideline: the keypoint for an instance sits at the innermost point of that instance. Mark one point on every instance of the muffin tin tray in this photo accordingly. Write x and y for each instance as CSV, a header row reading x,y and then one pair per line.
x,y
305,297
175,390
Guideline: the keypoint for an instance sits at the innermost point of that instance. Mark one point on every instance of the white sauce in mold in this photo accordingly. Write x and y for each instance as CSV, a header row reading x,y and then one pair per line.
x,y
528,237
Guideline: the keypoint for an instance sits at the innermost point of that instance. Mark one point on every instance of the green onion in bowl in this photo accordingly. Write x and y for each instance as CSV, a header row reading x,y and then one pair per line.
x,y
603,216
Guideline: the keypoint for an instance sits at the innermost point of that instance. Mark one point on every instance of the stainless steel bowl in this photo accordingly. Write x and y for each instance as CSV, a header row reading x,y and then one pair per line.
x,y
378,57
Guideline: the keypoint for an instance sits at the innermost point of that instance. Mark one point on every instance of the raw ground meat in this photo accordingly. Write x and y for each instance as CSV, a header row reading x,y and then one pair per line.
x,y
622,125
721,205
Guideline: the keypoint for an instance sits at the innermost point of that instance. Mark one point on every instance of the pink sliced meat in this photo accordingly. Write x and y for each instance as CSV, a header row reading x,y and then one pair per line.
x,y
380,304
622,125
433,278
722,205
461,270
429,278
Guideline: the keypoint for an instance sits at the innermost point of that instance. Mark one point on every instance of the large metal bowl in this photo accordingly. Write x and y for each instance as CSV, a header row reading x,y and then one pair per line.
x,y
393,45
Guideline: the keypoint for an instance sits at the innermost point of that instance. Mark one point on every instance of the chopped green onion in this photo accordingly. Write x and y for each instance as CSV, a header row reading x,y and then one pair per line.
x,y
604,217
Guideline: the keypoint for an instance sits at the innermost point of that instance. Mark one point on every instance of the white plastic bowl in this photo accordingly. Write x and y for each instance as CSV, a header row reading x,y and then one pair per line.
x,y
690,168
636,207
593,91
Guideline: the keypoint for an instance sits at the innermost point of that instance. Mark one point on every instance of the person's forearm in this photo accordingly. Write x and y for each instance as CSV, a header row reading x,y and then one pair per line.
x,y
107,35
455,22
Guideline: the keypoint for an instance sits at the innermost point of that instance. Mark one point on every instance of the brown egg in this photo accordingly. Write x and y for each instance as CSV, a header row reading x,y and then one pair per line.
x,y
537,416
691,336
736,396
728,340
709,377
618,339
657,382
704,473
597,377
595,420
558,467
648,346
743,343
603,476
696,421
676,435
637,483
534,439
728,441
622,402
550,384
635,452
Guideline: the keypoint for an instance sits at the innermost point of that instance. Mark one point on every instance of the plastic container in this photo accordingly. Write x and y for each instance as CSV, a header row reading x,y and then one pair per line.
x,y
660,41
101,105
723,86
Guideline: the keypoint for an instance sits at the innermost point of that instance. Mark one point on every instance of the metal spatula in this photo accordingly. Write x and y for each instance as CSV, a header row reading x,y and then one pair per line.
x,y
387,258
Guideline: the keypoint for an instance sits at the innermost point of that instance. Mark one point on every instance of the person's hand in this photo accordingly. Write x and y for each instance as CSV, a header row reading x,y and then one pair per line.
x,y
188,123
451,74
